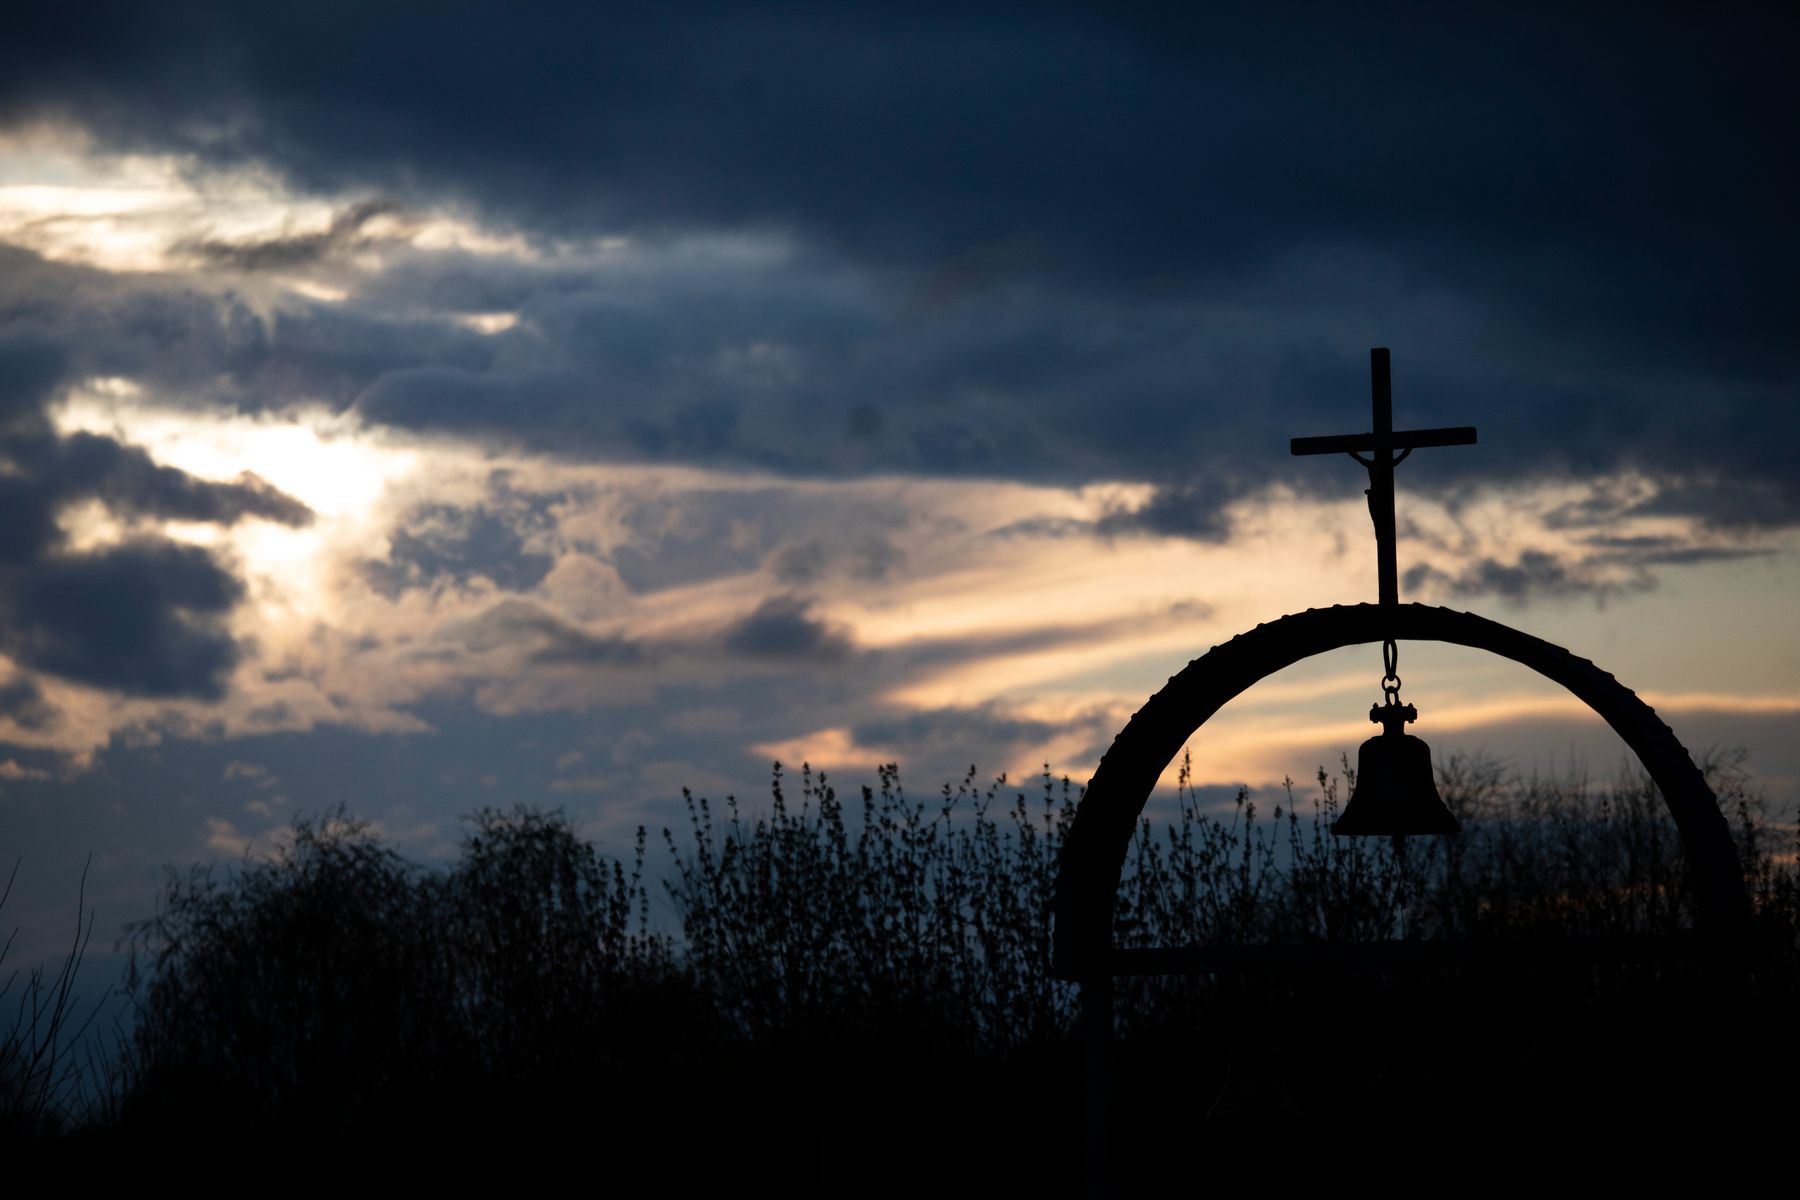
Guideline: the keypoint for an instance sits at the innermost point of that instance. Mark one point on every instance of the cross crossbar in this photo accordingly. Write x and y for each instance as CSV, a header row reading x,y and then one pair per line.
x,y
1408,439
1381,442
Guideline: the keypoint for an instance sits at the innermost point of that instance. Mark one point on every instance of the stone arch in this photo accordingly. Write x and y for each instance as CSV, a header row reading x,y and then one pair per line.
x,y
1094,853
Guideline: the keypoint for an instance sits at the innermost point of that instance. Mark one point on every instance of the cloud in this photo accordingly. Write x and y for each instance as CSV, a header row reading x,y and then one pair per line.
x,y
1195,509
22,702
254,774
1219,126
1044,527
802,562
30,371
188,343
980,727
551,641
347,232
870,558
11,771
83,465
1534,574
442,542
796,292
761,353
144,616
1538,575
846,248
1752,500
783,628
1667,550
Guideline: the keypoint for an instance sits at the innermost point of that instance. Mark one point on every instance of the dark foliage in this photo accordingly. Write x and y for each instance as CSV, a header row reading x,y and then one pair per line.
x,y
43,1065
862,991
336,989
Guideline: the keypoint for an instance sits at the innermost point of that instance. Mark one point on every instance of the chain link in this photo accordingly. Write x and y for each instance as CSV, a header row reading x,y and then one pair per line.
x,y
1390,662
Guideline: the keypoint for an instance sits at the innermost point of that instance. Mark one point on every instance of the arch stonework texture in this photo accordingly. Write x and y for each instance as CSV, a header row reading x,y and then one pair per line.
x,y
1094,852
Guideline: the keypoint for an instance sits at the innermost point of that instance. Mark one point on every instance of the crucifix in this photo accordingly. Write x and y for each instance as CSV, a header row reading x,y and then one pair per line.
x,y
1394,794
1381,442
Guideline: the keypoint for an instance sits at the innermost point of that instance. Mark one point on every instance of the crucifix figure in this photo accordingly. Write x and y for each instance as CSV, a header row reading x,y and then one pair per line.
x,y
1381,443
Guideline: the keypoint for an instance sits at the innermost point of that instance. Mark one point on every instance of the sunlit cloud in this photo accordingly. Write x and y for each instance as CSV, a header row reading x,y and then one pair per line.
x,y
1000,597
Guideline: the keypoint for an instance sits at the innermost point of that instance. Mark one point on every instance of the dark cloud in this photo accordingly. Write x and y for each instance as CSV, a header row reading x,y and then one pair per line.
x,y
783,628
714,356
147,617
82,465
1758,499
1607,565
679,538
946,739
989,137
31,369
205,348
1665,550
1059,246
344,234
781,631
803,562
548,639
22,702
688,539
1541,575
440,542
1605,503
1195,509
871,558
1534,575
761,364
1544,152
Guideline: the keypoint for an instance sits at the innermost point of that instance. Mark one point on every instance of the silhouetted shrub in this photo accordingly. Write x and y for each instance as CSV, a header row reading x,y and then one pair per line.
x,y
336,988
865,969
307,990
915,910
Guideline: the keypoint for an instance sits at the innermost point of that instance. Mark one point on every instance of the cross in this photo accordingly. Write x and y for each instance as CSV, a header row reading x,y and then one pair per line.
x,y
1382,443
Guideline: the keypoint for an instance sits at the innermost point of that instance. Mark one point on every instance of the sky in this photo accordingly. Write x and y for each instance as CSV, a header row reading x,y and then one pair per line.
x,y
428,407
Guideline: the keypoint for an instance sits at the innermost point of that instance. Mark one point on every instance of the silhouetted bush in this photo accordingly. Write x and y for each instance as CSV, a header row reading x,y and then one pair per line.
x,y
307,990
337,989
864,972
924,906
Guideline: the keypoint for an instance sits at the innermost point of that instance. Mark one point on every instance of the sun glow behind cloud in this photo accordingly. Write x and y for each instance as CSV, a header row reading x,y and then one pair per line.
x,y
343,473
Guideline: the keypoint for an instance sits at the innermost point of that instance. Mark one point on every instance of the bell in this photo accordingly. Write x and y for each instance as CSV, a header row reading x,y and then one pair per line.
x,y
1395,794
